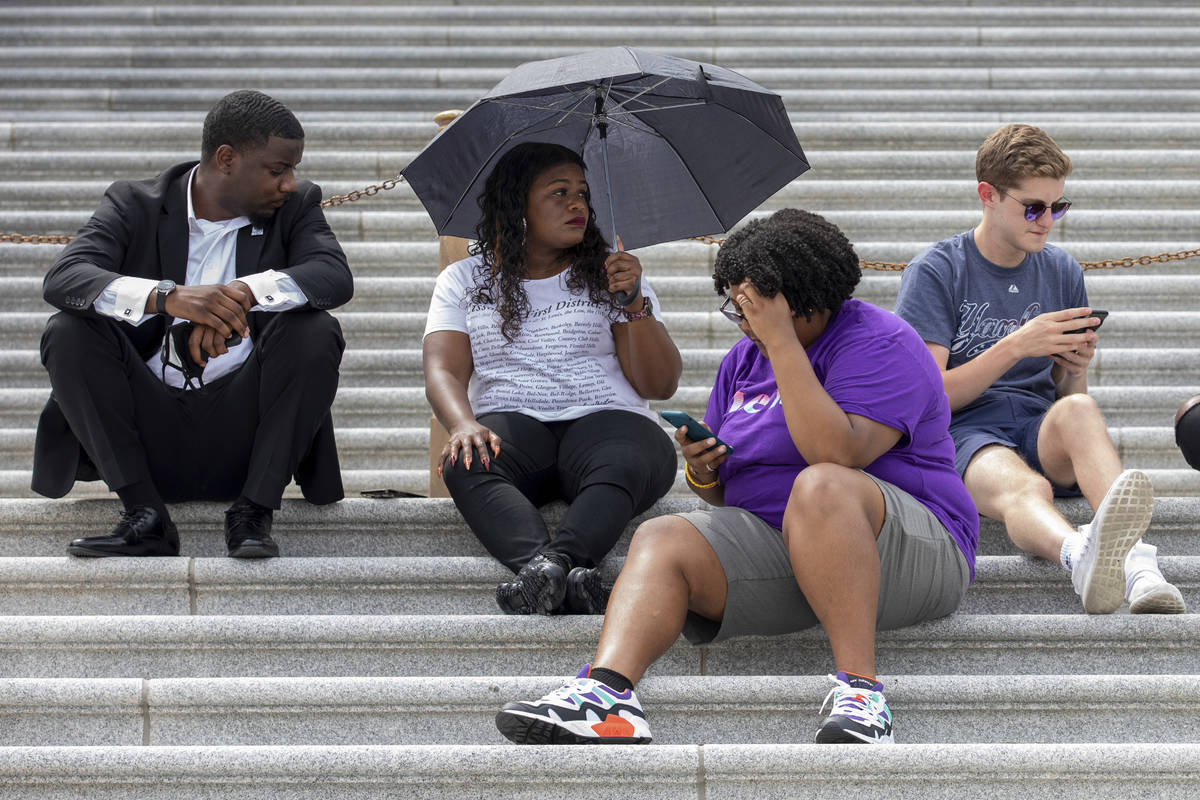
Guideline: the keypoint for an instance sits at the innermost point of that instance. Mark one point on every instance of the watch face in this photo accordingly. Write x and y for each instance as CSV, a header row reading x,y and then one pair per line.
x,y
166,286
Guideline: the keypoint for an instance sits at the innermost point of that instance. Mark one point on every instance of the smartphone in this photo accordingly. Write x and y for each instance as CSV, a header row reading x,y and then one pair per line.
x,y
695,430
1096,312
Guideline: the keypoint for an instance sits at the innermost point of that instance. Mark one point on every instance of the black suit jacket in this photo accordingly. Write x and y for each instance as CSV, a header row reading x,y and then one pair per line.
x,y
141,229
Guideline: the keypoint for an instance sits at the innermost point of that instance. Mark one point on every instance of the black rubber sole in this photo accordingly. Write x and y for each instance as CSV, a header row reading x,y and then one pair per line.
x,y
254,551
526,730
83,552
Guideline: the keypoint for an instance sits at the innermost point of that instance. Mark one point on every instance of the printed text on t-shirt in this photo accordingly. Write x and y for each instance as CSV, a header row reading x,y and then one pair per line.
x,y
977,332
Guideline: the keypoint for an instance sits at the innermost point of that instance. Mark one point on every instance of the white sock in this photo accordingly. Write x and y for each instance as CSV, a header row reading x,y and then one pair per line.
x,y
1072,548
1142,564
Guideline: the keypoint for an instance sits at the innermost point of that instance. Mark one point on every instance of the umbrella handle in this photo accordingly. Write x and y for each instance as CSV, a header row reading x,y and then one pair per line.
x,y
624,299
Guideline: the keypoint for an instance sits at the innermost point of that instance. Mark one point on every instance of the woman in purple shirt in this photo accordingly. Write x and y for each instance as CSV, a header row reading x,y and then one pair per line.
x,y
836,502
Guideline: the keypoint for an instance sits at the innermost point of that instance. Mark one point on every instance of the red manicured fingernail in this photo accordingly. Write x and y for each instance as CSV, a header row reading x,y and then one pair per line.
x,y
453,460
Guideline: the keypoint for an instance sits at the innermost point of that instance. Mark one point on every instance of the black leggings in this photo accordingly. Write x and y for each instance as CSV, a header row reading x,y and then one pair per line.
x,y
609,466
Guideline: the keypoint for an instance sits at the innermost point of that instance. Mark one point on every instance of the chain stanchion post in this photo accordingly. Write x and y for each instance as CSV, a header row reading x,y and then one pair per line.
x,y
450,249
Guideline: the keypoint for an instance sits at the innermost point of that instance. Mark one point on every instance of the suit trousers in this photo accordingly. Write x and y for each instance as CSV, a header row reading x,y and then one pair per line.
x,y
244,434
609,466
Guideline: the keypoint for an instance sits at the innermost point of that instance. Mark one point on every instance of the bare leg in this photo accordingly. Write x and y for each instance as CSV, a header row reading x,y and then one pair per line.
x,y
670,569
833,517
1074,447
1006,489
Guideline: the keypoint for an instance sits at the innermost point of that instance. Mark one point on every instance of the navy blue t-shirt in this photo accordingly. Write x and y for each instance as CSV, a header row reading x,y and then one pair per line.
x,y
956,298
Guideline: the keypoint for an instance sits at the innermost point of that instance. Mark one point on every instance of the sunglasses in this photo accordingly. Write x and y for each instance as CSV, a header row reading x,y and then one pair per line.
x,y
1035,210
731,315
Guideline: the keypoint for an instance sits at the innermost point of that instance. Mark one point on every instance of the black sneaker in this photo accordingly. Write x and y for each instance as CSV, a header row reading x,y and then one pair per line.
x,y
585,593
539,588
860,713
139,532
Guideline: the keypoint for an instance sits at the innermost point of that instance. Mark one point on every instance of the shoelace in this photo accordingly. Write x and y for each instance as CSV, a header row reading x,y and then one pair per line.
x,y
131,517
863,705
239,516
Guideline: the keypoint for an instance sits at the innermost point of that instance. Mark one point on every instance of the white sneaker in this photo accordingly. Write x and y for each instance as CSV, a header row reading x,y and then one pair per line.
x,y
1099,574
1156,598
1147,591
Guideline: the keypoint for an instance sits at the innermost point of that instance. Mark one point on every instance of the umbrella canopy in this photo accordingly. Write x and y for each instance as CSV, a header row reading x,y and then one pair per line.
x,y
690,148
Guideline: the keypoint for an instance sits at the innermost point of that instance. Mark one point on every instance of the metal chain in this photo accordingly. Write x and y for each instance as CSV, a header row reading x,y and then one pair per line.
x,y
357,194
34,238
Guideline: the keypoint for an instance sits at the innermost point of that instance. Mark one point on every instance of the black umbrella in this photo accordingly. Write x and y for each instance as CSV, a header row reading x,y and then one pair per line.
x,y
674,148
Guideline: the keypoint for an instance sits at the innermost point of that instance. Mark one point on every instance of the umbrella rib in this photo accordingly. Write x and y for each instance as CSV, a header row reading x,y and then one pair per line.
x,y
639,94
633,112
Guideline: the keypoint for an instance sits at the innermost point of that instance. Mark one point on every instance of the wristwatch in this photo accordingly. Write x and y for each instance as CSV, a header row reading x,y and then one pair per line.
x,y
647,311
164,288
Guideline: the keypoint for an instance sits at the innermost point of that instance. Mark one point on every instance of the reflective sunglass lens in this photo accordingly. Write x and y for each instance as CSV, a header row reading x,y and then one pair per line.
x,y
1035,210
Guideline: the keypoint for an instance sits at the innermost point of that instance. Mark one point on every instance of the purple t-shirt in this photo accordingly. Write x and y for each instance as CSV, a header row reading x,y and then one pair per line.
x,y
872,364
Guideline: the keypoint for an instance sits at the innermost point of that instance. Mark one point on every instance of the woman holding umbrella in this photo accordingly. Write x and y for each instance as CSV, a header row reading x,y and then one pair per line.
x,y
542,381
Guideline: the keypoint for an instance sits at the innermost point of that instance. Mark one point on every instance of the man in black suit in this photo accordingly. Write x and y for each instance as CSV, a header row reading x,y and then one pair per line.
x,y
236,403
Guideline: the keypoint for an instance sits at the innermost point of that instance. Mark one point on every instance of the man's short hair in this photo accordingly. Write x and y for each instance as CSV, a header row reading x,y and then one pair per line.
x,y
1016,152
247,119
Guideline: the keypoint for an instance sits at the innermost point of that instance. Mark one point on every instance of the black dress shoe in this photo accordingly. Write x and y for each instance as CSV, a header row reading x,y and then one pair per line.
x,y
248,532
140,532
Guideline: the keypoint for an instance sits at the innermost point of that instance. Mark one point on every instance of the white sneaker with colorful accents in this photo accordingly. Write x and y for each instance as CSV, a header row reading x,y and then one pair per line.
x,y
583,711
860,713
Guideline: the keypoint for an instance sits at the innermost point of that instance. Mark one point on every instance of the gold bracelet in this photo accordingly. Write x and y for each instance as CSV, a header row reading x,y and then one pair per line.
x,y
691,478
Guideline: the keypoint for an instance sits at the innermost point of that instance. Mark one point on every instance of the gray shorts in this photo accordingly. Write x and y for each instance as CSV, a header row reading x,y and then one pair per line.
x,y
923,574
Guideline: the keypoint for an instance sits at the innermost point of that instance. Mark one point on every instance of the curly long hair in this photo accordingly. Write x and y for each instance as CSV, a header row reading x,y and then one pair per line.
x,y
500,238
796,252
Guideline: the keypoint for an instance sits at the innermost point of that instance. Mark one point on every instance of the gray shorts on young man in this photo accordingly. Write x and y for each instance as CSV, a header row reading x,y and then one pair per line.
x,y
923,574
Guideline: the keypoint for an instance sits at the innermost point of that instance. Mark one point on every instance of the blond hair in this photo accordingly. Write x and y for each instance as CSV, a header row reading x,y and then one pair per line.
x,y
1016,152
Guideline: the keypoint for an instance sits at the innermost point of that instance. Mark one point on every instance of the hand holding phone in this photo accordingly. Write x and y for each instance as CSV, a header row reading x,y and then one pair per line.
x,y
695,429
1096,312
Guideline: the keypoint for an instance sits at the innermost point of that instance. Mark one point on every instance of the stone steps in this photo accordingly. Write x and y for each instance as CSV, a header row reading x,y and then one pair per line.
x,y
646,16
179,130
477,80
446,585
157,677
388,711
858,103
679,772
98,646
748,59
427,527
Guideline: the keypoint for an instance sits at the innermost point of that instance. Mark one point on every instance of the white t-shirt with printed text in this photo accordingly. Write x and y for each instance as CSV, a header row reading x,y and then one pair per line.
x,y
561,366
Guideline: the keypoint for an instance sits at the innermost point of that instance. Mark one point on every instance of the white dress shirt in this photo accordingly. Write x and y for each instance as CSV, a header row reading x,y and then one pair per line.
x,y
212,259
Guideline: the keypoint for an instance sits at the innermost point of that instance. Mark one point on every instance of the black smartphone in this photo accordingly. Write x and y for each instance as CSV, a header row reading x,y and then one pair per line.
x,y
695,430
1096,312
